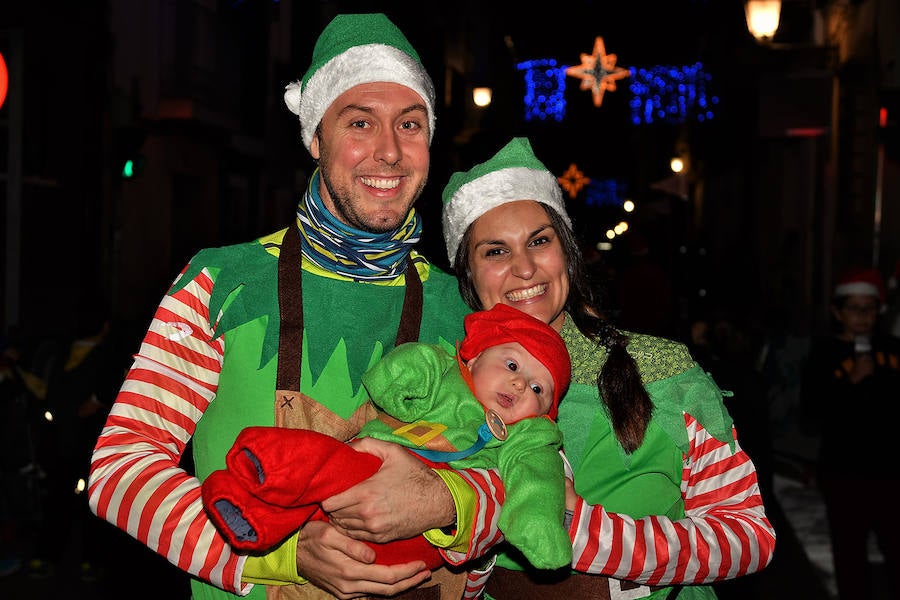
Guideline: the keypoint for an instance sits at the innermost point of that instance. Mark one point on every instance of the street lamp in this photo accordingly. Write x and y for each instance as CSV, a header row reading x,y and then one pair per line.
x,y
762,18
482,96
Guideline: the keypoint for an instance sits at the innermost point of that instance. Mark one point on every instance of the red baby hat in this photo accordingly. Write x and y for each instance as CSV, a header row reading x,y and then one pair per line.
x,y
502,324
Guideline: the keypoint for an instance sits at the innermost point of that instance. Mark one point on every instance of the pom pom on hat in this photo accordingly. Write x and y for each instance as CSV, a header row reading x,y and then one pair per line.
x,y
514,173
352,50
502,324
861,282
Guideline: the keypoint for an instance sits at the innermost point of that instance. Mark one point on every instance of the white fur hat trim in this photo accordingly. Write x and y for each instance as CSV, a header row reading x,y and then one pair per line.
x,y
357,65
489,191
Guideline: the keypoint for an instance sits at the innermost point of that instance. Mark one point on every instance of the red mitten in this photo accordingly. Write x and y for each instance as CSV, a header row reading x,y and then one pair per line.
x,y
246,522
275,479
295,467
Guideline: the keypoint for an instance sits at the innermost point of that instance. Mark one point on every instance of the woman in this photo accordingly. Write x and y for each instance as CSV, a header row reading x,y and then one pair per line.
x,y
663,497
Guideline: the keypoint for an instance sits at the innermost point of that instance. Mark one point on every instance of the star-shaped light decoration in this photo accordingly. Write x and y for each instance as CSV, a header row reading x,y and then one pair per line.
x,y
598,71
573,180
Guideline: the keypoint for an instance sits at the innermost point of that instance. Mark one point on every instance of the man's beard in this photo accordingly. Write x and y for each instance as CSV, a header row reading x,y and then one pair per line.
x,y
346,213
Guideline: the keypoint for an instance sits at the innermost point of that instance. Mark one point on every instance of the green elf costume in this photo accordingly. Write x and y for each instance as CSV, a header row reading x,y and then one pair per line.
x,y
276,477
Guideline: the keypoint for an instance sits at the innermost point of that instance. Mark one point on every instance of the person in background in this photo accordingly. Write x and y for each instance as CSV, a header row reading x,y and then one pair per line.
x,y
492,405
856,370
891,321
279,330
664,500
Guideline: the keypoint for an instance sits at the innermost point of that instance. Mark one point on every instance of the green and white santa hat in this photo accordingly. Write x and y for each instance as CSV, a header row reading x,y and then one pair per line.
x,y
352,50
514,173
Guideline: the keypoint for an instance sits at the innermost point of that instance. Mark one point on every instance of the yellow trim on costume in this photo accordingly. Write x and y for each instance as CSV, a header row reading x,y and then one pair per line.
x,y
278,567
420,432
465,500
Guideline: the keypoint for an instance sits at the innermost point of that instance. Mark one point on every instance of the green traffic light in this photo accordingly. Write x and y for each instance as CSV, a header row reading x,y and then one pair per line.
x,y
128,169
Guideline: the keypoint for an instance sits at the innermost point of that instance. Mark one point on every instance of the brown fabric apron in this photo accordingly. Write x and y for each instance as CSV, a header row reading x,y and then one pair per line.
x,y
298,411
506,584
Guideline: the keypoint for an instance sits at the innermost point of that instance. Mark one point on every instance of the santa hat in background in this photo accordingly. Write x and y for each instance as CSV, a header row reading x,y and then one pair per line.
x,y
503,324
861,282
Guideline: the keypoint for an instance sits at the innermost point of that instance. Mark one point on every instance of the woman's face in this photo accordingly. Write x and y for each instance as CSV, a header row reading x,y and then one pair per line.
x,y
516,258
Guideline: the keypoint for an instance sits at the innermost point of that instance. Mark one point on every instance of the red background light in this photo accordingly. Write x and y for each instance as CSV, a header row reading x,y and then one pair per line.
x,y
4,80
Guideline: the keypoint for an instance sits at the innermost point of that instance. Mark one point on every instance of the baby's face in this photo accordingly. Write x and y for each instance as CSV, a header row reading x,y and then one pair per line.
x,y
511,382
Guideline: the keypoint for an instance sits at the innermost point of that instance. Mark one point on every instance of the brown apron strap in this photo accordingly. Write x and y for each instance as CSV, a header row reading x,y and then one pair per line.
x,y
411,317
290,306
287,380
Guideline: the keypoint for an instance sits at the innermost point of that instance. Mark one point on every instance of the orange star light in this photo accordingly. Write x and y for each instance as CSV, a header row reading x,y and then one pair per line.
x,y
573,180
598,71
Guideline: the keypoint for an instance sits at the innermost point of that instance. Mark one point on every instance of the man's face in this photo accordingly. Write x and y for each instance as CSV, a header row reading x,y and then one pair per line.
x,y
372,148
857,315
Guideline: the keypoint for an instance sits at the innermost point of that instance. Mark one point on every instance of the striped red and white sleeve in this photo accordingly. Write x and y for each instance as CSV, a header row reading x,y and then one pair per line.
x,y
725,532
477,579
485,533
136,482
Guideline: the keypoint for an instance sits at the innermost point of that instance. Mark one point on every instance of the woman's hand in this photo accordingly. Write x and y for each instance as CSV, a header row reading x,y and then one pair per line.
x,y
571,496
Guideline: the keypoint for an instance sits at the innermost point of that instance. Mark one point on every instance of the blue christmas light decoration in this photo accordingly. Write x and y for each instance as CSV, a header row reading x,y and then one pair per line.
x,y
605,192
670,94
663,93
545,89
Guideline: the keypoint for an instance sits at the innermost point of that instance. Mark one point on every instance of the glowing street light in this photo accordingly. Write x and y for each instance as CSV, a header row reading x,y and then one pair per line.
x,y
762,18
482,96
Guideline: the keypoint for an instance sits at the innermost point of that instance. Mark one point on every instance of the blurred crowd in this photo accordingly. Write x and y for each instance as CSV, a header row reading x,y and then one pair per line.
x,y
55,394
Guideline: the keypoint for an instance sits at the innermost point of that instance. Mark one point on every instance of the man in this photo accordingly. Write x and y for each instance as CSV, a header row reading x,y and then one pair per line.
x,y
246,337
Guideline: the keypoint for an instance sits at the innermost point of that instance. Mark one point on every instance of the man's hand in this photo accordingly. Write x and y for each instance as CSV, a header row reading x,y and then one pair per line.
x,y
343,566
403,499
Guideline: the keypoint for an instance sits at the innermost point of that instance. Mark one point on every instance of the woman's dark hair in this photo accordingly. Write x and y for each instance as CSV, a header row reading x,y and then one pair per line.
x,y
619,381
